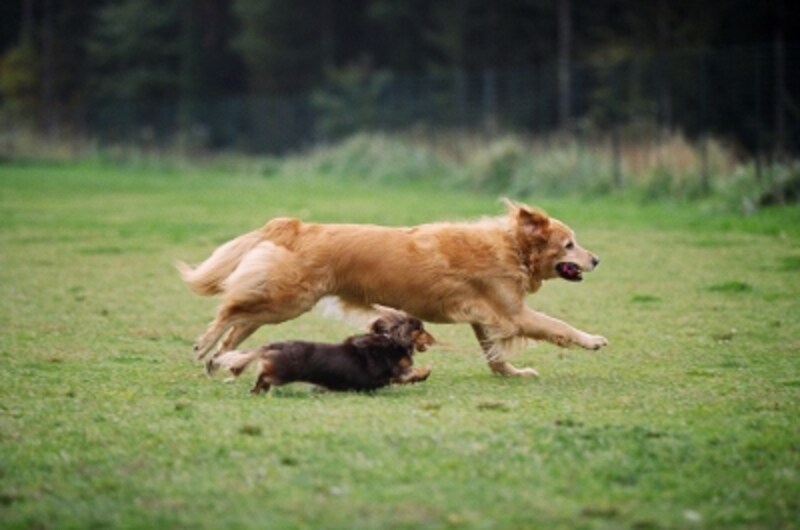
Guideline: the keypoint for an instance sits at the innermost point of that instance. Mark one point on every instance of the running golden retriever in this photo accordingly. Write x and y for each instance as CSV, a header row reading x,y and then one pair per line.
x,y
472,272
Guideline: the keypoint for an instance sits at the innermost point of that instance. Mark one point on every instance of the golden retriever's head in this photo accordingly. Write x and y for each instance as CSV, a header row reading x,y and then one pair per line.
x,y
548,247
403,329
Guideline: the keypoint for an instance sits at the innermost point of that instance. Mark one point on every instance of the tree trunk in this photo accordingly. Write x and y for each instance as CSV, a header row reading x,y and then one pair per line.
x,y
664,95
779,83
26,29
490,109
49,118
327,33
564,58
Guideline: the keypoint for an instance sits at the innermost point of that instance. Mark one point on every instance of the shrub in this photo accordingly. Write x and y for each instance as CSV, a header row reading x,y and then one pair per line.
x,y
497,167
374,158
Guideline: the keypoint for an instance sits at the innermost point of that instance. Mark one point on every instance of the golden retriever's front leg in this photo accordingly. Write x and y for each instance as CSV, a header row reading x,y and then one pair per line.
x,y
509,370
494,353
539,326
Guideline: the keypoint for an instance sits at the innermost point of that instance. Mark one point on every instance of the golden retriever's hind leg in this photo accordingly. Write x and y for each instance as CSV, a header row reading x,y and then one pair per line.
x,y
236,320
494,352
252,315
213,333
236,335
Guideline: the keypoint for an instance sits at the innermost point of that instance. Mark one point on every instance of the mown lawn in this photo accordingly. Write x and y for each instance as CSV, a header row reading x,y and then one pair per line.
x,y
689,419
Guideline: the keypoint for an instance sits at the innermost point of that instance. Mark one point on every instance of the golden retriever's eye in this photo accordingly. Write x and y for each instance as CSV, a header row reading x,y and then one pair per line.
x,y
570,245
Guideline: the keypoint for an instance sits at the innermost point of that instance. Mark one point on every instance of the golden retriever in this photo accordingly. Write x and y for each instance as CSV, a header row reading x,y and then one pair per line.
x,y
472,272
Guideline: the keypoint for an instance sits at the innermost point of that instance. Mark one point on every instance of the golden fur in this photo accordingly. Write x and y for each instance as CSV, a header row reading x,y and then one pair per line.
x,y
473,272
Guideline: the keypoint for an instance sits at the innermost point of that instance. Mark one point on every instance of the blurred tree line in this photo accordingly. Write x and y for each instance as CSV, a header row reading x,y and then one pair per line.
x,y
69,66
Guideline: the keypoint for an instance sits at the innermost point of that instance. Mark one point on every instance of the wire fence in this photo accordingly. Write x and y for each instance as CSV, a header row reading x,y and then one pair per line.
x,y
747,96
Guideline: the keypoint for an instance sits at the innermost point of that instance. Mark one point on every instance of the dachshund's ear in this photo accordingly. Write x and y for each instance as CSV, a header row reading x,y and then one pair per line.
x,y
380,326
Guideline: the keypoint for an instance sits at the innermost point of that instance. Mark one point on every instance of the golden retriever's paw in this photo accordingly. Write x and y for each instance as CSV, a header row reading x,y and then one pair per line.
x,y
594,342
526,372
508,370
201,350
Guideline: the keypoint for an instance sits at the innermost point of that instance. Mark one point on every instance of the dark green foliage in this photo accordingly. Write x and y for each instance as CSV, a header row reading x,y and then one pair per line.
x,y
280,42
20,81
134,50
167,72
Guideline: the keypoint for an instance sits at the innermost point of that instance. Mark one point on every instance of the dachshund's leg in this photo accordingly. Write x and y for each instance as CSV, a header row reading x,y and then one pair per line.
x,y
412,375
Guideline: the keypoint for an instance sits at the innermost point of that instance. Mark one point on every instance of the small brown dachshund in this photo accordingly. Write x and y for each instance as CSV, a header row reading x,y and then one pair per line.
x,y
362,362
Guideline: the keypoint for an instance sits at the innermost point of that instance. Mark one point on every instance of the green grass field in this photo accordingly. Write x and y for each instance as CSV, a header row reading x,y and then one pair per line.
x,y
689,419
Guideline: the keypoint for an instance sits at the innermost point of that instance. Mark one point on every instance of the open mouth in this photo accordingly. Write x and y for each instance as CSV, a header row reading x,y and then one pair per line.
x,y
569,271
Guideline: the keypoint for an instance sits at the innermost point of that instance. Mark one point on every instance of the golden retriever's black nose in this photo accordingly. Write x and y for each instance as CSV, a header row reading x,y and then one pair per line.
x,y
595,261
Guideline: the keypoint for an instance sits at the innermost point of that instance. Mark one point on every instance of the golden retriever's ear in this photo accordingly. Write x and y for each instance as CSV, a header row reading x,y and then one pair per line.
x,y
532,222
510,205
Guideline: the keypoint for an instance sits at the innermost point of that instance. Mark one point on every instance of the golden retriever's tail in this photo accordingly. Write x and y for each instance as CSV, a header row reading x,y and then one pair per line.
x,y
208,278
237,361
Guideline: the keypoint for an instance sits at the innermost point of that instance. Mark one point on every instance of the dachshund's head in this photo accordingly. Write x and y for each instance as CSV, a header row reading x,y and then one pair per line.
x,y
403,329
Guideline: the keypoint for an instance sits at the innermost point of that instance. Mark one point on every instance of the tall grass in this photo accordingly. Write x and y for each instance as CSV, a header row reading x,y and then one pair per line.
x,y
671,167
650,166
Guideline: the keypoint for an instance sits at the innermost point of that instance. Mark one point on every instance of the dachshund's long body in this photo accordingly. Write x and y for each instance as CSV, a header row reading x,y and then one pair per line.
x,y
362,362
